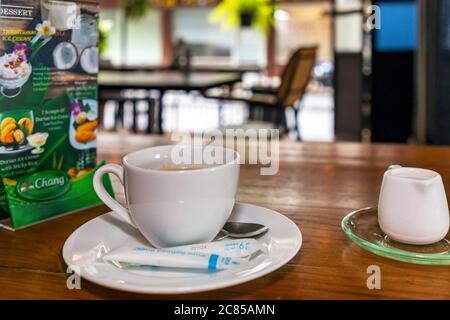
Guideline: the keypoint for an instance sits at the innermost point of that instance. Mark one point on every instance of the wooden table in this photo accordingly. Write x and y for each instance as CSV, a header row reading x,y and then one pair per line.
x,y
163,81
317,185
241,68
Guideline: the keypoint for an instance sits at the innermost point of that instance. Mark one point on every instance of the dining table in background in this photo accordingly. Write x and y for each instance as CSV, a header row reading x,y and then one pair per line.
x,y
316,186
197,67
164,80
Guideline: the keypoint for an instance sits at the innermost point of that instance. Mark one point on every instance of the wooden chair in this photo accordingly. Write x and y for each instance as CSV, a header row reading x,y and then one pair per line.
x,y
294,81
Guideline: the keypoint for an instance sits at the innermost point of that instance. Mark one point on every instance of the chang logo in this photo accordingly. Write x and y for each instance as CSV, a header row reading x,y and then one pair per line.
x,y
45,182
44,185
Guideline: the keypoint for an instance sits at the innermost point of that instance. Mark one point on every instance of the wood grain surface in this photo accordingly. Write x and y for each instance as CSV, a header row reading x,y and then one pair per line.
x,y
317,185
166,80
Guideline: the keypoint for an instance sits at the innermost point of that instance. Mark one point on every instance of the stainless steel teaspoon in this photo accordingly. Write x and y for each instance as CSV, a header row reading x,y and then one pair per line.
x,y
241,230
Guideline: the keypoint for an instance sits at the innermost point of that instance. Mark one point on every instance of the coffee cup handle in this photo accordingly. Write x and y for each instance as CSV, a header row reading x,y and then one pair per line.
x,y
99,188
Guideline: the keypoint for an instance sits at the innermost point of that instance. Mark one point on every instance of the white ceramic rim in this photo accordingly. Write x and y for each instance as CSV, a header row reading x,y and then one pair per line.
x,y
432,174
126,160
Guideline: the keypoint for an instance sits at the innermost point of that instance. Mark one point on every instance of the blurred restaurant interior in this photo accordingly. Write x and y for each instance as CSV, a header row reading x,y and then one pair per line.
x,y
356,88
356,70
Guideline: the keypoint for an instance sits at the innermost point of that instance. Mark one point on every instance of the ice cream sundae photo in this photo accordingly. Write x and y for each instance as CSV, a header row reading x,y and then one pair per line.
x,y
37,141
15,70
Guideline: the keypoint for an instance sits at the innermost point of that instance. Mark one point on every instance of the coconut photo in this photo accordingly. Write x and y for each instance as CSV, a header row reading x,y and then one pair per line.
x,y
89,60
65,56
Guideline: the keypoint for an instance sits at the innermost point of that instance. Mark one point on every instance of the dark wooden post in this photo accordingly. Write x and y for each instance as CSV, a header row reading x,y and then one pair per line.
x,y
271,53
166,29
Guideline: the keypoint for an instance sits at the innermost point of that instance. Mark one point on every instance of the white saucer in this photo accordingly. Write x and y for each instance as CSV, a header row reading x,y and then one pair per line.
x,y
86,244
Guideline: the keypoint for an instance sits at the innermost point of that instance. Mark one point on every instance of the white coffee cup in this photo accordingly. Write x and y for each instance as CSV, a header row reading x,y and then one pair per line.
x,y
176,207
413,207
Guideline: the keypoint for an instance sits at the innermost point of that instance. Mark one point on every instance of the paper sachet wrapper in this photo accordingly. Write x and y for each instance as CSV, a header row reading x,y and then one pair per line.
x,y
212,255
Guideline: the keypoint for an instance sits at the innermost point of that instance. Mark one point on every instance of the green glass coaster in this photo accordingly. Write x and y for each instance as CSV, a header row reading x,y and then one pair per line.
x,y
362,227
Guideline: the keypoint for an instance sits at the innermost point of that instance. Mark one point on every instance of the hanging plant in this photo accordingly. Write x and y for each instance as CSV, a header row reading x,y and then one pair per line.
x,y
244,13
102,38
135,9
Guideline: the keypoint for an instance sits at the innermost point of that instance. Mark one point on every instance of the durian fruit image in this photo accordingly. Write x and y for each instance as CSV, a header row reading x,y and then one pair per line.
x,y
7,134
76,173
12,132
72,172
86,132
7,121
26,123
19,136
15,127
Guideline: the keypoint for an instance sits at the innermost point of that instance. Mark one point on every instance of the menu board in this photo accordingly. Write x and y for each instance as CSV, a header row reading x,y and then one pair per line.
x,y
48,109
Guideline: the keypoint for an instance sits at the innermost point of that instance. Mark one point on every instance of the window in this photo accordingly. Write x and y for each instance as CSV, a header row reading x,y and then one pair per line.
x,y
302,25
138,42
211,45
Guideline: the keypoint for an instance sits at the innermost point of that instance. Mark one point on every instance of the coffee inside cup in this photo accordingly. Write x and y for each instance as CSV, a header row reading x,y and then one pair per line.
x,y
166,165
181,167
